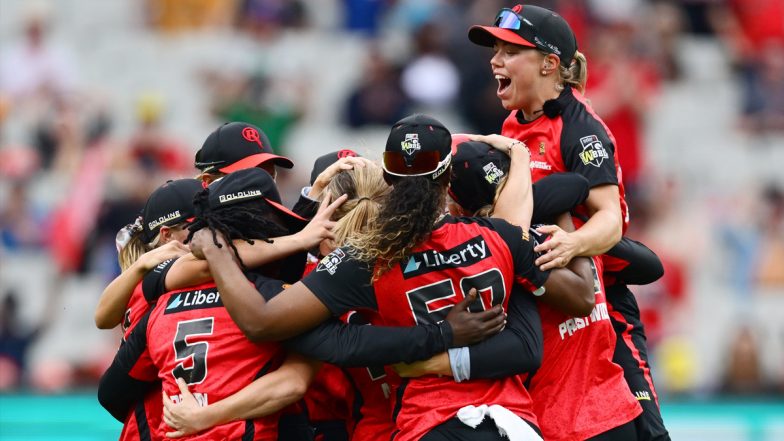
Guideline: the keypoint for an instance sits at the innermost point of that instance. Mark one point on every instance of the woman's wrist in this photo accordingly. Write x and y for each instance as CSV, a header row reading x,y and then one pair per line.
x,y
517,148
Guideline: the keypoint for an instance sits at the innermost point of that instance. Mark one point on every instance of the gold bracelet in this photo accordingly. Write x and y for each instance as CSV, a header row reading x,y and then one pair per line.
x,y
512,144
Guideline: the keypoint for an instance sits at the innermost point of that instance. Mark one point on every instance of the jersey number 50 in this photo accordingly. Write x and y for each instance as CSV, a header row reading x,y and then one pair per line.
x,y
431,303
196,350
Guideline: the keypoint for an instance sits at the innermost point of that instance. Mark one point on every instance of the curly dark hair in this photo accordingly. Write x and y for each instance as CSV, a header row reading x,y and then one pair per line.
x,y
249,220
405,220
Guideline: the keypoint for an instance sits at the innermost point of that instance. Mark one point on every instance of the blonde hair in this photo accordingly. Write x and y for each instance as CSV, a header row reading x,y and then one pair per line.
x,y
487,210
365,187
134,249
576,74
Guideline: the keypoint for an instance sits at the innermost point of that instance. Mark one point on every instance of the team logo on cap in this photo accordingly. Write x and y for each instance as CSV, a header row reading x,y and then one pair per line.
x,y
411,143
493,174
346,153
252,135
593,151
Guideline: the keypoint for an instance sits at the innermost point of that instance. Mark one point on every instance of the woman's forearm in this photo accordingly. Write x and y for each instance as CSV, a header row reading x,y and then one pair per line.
x,y
599,234
515,204
114,301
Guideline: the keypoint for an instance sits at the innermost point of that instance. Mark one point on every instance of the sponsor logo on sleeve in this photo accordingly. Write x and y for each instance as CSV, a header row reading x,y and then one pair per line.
x,y
196,299
465,254
331,261
593,152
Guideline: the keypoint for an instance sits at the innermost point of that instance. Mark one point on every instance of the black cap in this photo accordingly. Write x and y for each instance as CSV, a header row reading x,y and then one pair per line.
x,y
251,184
532,26
236,146
169,204
418,145
477,169
324,161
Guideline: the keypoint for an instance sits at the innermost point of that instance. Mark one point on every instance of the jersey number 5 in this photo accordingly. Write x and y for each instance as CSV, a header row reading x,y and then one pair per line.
x,y
431,303
183,350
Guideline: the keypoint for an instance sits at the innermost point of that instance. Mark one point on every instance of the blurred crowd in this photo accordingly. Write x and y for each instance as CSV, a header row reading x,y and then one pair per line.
x,y
69,180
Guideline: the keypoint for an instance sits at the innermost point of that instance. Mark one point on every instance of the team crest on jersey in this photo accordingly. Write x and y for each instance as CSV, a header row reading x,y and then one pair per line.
x,y
196,299
465,254
541,148
593,151
411,144
493,174
331,261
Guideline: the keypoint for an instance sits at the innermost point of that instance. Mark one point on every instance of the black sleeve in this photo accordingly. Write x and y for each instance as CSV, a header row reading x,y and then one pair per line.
x,y
342,283
352,345
118,391
642,265
154,282
305,207
521,337
556,194
587,149
522,248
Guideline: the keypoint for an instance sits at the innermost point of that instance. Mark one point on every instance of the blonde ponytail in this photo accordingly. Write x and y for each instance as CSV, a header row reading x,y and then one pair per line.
x,y
365,188
577,73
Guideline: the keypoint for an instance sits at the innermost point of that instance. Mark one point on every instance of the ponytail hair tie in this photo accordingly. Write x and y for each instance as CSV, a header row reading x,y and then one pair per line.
x,y
126,233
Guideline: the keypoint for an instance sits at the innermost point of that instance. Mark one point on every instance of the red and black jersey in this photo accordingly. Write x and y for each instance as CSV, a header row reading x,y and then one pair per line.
x,y
371,403
575,140
461,253
190,335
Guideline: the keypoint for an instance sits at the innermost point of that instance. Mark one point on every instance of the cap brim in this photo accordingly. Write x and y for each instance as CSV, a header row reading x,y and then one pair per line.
x,y
256,160
293,220
487,35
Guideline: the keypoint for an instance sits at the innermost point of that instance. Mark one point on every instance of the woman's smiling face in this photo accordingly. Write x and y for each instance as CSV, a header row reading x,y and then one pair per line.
x,y
516,68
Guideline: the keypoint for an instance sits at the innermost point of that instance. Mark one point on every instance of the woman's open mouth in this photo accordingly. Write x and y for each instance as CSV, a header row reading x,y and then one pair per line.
x,y
503,84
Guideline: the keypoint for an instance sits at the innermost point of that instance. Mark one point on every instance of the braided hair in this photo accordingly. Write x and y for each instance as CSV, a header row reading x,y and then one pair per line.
x,y
249,220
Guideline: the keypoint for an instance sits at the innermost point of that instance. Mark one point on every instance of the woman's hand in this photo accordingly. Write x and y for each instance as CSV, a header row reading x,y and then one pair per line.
x,y
320,227
325,177
203,240
559,250
472,327
184,417
436,365
170,250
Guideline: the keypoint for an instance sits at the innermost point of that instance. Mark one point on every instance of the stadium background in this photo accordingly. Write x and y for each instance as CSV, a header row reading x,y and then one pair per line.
x,y
120,94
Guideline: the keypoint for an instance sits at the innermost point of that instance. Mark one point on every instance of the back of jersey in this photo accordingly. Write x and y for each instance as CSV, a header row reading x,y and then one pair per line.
x,y
191,336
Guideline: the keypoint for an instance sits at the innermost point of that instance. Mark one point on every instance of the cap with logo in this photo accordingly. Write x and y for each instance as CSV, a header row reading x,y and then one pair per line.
x,y
418,145
236,146
251,184
477,169
531,26
170,204
324,161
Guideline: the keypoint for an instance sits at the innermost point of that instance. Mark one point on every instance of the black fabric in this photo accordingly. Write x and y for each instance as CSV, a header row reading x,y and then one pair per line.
x,y
294,427
522,337
349,345
305,207
649,424
118,392
232,142
624,432
140,413
643,265
330,430
324,161
556,194
522,248
342,283
154,282
477,169
169,204
456,430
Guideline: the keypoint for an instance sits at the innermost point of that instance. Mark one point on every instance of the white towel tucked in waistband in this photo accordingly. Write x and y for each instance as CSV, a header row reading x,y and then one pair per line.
x,y
509,424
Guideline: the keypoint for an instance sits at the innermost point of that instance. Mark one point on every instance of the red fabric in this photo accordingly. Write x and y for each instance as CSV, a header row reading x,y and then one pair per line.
x,y
137,307
431,400
153,413
232,363
578,391
760,21
327,396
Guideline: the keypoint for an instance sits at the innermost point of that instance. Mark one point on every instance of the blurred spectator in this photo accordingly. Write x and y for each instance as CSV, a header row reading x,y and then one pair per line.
x,y
183,15
770,273
265,18
35,67
363,15
430,79
621,87
21,223
274,104
152,149
378,98
743,372
753,33
17,337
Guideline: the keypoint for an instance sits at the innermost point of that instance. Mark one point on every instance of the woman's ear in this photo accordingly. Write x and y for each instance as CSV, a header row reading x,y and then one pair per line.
x,y
549,64
165,234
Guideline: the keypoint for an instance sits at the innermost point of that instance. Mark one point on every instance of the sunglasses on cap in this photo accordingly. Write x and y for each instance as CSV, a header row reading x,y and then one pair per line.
x,y
509,19
422,164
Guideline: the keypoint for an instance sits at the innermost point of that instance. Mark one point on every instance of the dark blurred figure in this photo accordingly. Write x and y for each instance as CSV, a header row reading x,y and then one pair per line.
x,y
265,18
150,147
21,224
17,337
430,78
753,33
378,99
743,374
363,15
